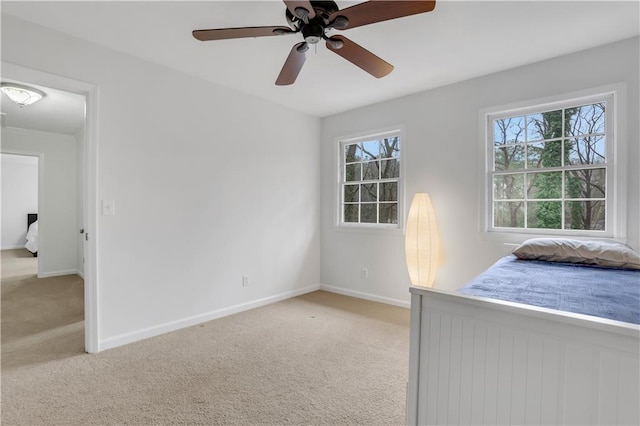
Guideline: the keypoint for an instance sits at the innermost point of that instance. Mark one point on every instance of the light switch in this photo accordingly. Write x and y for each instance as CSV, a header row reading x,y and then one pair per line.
x,y
108,207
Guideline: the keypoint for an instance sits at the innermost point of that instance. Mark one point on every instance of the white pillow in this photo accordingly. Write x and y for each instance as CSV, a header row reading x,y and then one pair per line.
x,y
610,254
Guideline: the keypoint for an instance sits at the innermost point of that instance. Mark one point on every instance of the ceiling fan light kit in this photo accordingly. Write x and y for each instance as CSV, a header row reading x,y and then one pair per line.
x,y
20,94
314,19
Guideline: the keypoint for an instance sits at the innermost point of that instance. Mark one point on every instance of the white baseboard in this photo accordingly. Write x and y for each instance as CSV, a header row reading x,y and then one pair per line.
x,y
80,274
58,273
366,296
123,339
12,247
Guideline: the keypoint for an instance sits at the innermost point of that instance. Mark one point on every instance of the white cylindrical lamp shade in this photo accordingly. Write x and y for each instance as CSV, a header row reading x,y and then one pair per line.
x,y
422,242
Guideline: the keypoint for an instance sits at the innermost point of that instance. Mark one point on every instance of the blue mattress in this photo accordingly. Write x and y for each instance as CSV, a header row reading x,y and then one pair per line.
x,y
591,290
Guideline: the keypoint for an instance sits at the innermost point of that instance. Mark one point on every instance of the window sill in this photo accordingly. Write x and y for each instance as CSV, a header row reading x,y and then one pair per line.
x,y
370,229
519,236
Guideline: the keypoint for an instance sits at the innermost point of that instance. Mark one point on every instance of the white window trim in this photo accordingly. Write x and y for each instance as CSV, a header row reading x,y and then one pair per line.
x,y
616,185
338,162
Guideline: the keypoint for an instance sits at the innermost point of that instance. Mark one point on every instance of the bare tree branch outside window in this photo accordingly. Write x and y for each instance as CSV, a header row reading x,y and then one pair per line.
x,y
550,169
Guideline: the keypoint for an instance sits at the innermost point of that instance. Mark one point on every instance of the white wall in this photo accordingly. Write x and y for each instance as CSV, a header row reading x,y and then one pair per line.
x,y
57,216
209,185
19,197
441,156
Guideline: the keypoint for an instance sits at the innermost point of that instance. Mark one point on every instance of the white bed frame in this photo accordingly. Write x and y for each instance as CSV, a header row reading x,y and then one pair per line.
x,y
474,360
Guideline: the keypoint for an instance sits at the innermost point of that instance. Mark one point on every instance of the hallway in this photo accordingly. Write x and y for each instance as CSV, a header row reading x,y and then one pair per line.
x,y
42,318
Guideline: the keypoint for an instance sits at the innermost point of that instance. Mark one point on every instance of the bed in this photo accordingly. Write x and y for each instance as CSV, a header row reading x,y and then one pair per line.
x,y
32,234
509,349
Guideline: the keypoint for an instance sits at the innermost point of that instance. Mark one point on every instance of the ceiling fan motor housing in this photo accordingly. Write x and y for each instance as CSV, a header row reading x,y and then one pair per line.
x,y
313,31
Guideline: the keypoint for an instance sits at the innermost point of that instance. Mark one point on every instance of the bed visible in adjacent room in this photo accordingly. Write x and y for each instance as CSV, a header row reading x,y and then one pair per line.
x,y
32,234
547,336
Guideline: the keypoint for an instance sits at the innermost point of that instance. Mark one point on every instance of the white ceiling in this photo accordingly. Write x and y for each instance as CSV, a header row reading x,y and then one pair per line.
x,y
457,41
57,112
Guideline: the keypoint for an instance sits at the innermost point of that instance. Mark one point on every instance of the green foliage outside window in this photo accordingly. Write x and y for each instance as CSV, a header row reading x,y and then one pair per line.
x,y
548,169
371,172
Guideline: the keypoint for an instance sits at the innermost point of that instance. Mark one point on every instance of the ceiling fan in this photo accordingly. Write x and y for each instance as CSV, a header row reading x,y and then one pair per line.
x,y
314,19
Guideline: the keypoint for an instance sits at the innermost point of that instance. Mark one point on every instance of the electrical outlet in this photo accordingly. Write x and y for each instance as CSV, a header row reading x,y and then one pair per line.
x,y
364,273
245,281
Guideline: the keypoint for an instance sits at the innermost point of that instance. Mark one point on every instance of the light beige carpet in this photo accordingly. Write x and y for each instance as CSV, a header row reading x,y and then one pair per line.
x,y
316,359
42,319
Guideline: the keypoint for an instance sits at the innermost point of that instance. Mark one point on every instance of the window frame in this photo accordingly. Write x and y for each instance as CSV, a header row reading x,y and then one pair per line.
x,y
340,142
615,220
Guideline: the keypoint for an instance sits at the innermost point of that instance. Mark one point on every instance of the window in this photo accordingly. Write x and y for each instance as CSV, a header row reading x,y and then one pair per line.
x,y
370,180
551,169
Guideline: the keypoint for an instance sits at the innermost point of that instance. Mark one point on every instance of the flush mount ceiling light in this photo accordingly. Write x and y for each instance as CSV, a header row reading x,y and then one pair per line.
x,y
22,95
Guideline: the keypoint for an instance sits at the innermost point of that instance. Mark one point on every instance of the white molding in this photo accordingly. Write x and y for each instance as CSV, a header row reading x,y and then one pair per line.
x,y
365,296
12,247
80,274
90,212
146,333
58,273
620,159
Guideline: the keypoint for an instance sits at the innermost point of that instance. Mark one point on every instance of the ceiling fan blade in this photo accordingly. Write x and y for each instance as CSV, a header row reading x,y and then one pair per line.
x,y
378,11
228,33
293,64
292,5
359,56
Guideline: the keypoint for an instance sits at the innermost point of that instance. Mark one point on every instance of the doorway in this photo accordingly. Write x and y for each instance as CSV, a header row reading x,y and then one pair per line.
x,y
51,262
20,181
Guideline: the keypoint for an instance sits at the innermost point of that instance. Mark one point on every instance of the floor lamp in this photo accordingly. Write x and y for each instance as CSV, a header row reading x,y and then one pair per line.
x,y
422,243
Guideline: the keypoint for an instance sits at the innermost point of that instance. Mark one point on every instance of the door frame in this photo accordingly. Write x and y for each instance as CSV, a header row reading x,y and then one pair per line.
x,y
89,207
